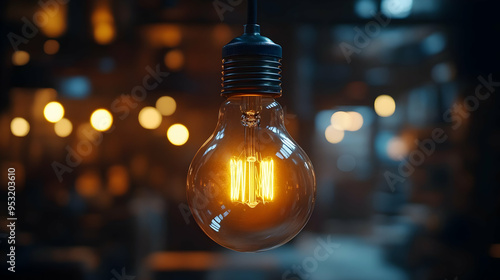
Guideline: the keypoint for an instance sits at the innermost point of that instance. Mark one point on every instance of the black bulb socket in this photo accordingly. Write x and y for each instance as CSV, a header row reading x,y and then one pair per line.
x,y
251,65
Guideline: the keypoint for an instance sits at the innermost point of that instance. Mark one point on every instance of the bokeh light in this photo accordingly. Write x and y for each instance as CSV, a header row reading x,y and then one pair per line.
x,y
333,135
103,23
163,35
150,117
118,180
101,119
174,60
396,149
341,120
434,43
104,33
365,8
443,72
356,121
85,131
19,127
384,105
166,105
51,47
75,87
396,8
63,128
178,134
56,23
20,58
53,112
88,184
41,97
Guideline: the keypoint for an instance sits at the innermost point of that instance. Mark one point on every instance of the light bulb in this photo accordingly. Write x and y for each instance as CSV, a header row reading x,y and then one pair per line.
x,y
250,187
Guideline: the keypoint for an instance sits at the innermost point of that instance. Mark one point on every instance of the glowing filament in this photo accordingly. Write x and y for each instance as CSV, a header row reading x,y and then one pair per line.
x,y
252,182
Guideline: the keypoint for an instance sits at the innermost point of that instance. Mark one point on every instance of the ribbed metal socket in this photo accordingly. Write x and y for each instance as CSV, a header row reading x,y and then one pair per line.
x,y
251,75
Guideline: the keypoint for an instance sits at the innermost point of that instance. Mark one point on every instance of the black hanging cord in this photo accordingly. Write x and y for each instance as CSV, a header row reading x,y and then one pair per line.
x,y
252,12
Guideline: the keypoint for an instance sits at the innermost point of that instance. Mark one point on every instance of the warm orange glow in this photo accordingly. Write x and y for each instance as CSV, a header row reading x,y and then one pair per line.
x,y
56,23
222,34
174,60
192,260
51,47
250,185
199,261
163,35
249,191
88,184
104,33
118,180
103,23
20,58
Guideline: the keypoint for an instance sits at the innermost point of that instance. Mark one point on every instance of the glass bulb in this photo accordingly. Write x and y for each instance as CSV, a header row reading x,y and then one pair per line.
x,y
250,187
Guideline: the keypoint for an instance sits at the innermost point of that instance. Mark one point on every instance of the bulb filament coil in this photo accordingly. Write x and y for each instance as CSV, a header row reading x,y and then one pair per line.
x,y
252,182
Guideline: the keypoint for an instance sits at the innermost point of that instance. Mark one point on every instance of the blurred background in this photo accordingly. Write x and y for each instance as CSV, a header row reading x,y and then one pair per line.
x,y
394,100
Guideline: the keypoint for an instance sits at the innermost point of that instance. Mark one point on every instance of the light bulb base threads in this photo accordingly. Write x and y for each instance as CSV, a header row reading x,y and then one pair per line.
x,y
251,75
251,65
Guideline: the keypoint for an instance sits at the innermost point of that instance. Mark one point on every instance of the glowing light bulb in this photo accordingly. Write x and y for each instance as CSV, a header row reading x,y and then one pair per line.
x,y
250,187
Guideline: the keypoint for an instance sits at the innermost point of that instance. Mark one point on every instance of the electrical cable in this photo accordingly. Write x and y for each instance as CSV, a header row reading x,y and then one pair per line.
x,y
252,12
